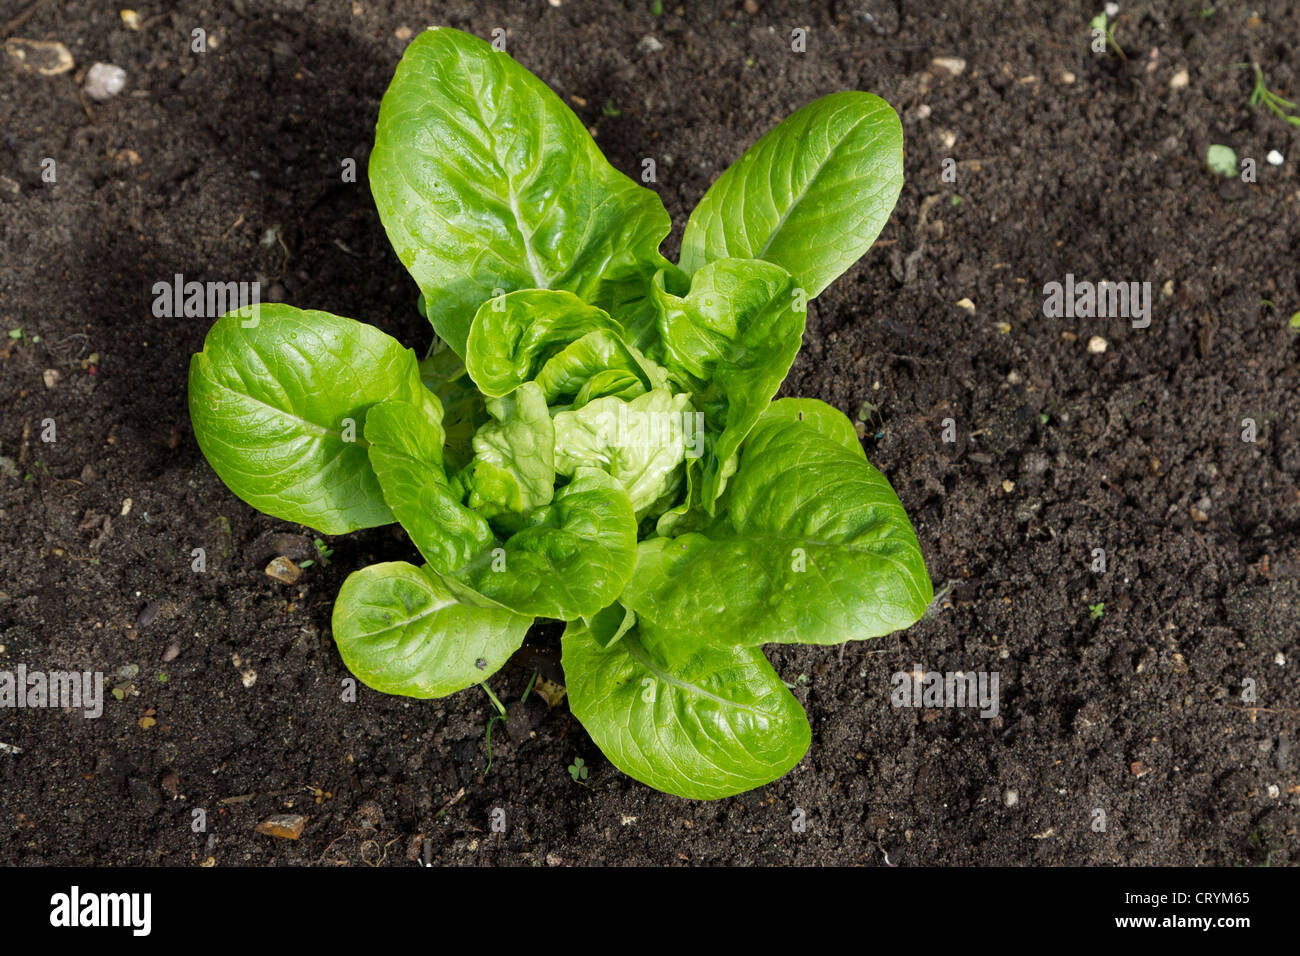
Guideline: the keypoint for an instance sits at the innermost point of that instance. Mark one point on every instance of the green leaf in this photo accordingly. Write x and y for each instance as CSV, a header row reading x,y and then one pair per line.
x,y
815,548
464,411
811,195
732,341
401,630
514,335
608,625
274,405
601,352
690,718
641,443
570,559
514,463
486,181
827,421
406,453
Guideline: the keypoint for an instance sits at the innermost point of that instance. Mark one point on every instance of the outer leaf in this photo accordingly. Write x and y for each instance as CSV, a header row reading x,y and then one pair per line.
x,y
826,420
271,407
512,336
400,630
684,716
811,195
819,551
641,443
570,559
485,180
732,341
406,452
514,463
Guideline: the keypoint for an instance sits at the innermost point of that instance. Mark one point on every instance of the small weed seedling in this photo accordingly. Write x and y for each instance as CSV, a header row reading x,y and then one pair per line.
x,y
1095,611
1103,29
1222,160
594,438
578,770
1262,95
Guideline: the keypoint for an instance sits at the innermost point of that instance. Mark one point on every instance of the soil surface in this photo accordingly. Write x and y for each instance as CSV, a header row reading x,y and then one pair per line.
x,y
1122,734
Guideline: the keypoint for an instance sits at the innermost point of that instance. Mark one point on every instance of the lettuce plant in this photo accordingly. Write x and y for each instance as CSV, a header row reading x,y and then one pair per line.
x,y
593,438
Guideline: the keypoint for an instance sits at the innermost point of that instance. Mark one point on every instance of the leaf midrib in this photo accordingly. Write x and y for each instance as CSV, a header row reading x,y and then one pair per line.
x,y
637,653
807,187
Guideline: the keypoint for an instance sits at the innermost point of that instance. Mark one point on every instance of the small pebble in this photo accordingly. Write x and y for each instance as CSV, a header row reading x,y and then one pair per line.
x,y
283,570
649,44
51,377
147,615
172,652
1112,10
1010,798
948,138
966,304
1097,345
1179,80
1067,77
1279,659
402,33
46,57
104,81
952,65
1273,791
922,112
126,507
1274,158
286,826
131,19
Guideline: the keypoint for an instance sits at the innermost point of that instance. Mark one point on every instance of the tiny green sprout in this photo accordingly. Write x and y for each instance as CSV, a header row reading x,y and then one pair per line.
x,y
306,564
162,678
499,715
956,200
1095,611
16,334
609,109
1294,322
578,769
1207,12
1261,94
657,8
1222,160
1106,27
1043,418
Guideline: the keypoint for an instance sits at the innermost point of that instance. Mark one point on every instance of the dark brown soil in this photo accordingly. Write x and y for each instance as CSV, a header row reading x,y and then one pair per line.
x,y
226,166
